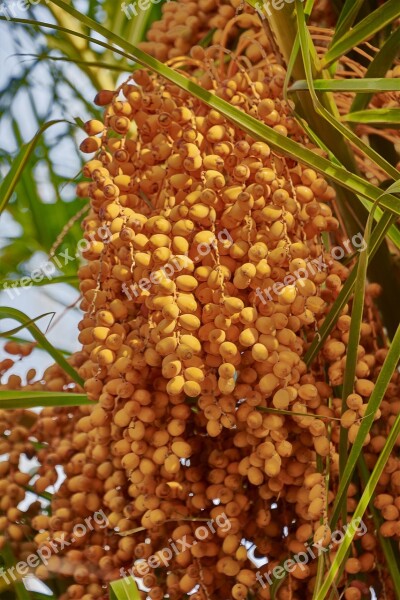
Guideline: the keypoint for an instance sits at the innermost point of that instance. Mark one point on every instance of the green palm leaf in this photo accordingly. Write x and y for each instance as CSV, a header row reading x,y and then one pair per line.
x,y
363,31
19,163
12,400
124,589
13,313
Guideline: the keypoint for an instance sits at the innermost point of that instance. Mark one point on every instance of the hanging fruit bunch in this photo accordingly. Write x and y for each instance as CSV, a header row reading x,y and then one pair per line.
x,y
210,445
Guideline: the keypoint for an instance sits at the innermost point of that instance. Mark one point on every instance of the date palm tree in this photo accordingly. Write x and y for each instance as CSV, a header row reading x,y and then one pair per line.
x,y
62,54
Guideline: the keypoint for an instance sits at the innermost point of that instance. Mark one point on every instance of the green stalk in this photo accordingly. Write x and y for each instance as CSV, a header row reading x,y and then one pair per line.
x,y
378,393
352,347
378,235
361,508
392,558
